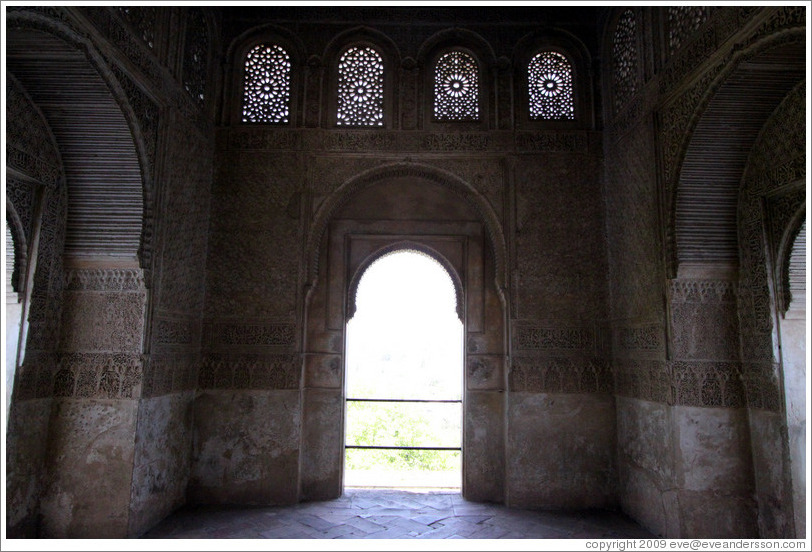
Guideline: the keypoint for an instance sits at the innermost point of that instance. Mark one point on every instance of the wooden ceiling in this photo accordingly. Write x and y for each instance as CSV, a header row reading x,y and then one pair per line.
x,y
105,190
715,161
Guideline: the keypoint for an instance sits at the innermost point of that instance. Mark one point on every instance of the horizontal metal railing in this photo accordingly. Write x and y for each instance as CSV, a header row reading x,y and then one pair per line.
x,y
393,447
409,400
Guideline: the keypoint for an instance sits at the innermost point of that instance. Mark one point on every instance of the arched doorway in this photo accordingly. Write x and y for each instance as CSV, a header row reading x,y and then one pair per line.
x,y
395,207
403,380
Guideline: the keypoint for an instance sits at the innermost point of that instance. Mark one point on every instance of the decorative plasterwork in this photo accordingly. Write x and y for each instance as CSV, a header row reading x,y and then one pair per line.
x,y
553,337
560,375
98,375
679,116
170,373
341,196
237,334
764,184
250,371
345,140
681,383
643,379
644,338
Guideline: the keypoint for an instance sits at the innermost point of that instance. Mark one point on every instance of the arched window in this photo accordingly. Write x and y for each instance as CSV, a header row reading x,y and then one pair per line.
x,y
267,85
549,76
360,87
456,88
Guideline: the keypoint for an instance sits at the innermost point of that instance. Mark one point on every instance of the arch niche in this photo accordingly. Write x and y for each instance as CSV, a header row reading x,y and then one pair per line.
x,y
405,206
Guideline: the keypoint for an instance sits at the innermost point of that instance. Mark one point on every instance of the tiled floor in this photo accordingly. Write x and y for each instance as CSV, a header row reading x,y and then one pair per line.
x,y
391,514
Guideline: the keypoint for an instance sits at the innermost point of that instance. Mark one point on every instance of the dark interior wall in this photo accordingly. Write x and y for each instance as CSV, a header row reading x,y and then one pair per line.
x,y
675,299
35,207
270,191
772,201
118,419
207,366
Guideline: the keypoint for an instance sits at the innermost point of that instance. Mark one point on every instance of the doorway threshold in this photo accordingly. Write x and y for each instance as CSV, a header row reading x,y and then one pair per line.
x,y
414,481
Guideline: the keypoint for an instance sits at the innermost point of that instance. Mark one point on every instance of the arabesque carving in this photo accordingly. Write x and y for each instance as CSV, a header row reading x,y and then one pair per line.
x,y
535,338
560,375
250,371
707,384
762,179
98,376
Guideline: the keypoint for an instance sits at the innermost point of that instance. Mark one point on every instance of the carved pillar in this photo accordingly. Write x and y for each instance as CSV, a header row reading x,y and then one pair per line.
x,y
504,94
408,93
96,389
313,87
709,422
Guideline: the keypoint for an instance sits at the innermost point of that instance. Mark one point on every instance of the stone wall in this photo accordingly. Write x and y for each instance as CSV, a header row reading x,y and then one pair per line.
x,y
207,366
277,184
679,334
116,421
771,201
163,439
36,214
96,389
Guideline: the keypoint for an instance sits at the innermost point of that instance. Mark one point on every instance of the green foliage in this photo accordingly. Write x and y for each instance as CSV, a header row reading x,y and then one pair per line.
x,y
399,424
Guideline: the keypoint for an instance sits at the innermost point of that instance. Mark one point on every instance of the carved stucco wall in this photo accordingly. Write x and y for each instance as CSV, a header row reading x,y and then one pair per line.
x,y
773,184
99,368
200,377
163,440
676,343
34,181
637,322
271,188
269,185
251,370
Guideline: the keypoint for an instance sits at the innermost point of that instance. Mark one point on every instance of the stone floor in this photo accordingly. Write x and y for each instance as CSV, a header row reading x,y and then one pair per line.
x,y
392,514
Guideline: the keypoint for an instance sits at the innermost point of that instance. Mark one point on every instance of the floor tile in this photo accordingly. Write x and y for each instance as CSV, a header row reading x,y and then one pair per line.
x,y
391,514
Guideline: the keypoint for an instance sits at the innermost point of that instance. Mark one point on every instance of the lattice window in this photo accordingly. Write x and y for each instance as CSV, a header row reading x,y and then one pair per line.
x,y
360,87
549,77
266,97
456,88
195,57
9,260
795,273
624,55
143,19
683,21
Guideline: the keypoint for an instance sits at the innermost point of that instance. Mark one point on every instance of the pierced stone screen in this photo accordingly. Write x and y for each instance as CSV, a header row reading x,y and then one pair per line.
x,y
683,21
360,88
456,88
550,86
267,85
195,56
624,54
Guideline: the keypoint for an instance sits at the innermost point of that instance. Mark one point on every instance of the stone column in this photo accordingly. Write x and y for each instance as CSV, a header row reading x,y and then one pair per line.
x,y
713,471
96,390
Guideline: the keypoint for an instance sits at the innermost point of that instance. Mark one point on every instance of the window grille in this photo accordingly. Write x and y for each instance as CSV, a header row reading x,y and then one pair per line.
x,y
360,88
267,85
456,88
550,87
